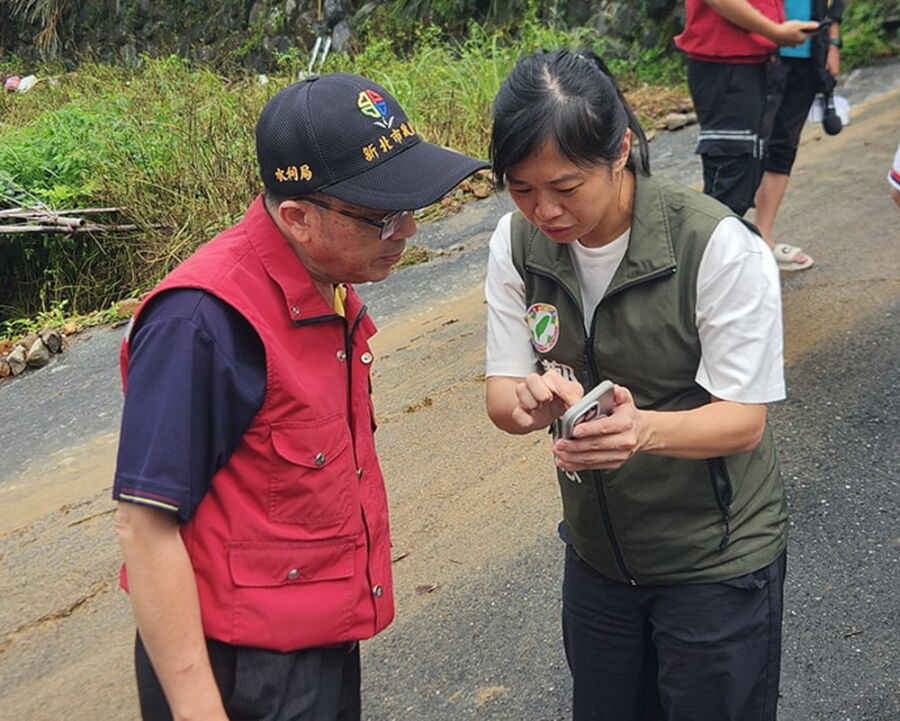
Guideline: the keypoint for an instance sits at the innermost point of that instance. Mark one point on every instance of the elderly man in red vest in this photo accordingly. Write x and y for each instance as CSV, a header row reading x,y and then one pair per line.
x,y
728,44
252,512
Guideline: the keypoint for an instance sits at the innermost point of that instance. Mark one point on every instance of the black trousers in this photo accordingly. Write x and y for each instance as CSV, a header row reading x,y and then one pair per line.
x,y
730,100
689,652
792,84
314,684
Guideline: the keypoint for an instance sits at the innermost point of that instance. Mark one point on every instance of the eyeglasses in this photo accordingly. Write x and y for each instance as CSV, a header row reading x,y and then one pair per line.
x,y
387,226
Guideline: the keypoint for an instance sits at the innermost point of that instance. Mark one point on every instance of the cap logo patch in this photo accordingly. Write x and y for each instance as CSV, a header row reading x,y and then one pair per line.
x,y
293,173
372,105
543,322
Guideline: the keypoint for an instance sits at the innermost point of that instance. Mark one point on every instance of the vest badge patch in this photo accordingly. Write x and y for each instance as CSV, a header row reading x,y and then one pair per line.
x,y
543,322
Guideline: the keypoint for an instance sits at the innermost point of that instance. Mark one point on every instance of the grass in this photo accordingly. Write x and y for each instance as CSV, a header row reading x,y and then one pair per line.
x,y
171,144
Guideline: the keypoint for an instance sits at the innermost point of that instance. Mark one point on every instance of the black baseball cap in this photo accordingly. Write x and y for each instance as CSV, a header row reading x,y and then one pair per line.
x,y
346,136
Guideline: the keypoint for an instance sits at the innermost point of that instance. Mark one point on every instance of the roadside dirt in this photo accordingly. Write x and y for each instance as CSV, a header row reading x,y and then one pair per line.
x,y
460,490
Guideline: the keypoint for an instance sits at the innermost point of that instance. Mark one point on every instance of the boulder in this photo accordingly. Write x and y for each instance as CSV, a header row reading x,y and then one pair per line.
x,y
676,121
38,355
52,339
16,360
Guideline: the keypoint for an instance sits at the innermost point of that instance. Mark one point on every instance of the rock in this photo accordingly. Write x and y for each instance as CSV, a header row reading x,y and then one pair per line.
x,y
52,339
341,37
624,20
28,341
675,121
6,346
658,9
16,360
5,370
691,118
38,355
127,307
481,190
70,328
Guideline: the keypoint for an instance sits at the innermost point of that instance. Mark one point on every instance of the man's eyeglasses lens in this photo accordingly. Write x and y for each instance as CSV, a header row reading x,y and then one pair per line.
x,y
391,223
387,226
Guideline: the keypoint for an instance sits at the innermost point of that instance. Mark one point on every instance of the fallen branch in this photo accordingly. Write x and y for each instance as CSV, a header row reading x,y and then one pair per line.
x,y
33,213
73,229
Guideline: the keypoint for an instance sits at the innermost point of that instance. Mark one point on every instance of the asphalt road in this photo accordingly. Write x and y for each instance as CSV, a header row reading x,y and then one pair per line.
x,y
477,634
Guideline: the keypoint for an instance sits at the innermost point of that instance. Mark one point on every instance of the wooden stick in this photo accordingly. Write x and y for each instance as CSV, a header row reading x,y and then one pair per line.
x,y
71,230
34,213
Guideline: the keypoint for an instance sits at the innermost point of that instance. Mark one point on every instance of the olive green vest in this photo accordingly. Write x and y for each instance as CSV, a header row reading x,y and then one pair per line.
x,y
656,519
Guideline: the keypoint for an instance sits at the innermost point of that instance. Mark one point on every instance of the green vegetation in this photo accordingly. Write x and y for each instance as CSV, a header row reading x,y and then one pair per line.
x,y
864,32
170,143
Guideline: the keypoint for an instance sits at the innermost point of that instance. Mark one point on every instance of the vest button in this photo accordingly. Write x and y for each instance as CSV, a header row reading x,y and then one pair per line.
x,y
366,358
342,355
320,459
377,591
293,573
295,310
359,472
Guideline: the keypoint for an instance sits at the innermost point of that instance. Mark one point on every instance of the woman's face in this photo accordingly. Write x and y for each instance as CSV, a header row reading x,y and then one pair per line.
x,y
567,202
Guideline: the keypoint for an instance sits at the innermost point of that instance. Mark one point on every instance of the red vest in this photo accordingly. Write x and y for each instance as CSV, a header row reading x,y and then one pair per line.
x,y
290,545
710,37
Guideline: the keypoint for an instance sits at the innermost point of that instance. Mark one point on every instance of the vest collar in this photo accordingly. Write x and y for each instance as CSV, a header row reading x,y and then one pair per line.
x,y
303,301
650,250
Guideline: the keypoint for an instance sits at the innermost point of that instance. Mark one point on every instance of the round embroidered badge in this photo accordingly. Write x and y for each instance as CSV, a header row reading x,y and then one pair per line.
x,y
543,322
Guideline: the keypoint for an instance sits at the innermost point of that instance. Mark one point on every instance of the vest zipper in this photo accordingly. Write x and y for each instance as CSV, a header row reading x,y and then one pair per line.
x,y
636,281
589,369
592,374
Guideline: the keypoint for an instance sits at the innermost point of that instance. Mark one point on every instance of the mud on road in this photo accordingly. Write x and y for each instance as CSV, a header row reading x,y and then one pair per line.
x,y
464,496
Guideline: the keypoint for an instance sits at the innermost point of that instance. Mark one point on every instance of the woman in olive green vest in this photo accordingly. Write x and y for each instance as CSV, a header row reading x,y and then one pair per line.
x,y
674,515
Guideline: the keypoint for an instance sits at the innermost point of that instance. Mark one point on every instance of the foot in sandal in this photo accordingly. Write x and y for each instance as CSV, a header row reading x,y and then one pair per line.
x,y
790,257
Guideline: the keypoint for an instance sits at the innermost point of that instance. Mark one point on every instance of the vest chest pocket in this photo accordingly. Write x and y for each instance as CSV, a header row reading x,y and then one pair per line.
x,y
312,479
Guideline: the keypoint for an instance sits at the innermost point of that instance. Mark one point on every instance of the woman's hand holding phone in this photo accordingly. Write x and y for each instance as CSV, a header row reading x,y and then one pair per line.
x,y
604,443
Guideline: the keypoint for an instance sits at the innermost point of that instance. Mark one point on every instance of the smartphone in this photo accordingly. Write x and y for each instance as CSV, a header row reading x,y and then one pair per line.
x,y
596,403
822,26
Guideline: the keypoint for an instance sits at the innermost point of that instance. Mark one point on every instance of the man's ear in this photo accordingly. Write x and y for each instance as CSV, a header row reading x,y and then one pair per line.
x,y
297,219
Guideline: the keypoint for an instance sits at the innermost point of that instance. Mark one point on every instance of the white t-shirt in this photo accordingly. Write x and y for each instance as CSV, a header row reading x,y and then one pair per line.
x,y
738,310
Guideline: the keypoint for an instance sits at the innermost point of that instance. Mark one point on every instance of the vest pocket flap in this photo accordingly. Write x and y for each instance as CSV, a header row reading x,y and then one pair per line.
x,y
280,563
311,446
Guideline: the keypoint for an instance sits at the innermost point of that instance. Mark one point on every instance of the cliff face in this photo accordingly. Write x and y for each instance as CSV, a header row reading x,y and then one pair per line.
x,y
253,33
250,32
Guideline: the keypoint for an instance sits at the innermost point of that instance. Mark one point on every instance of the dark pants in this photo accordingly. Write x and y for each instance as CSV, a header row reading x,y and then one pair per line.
x,y
792,84
690,652
315,684
730,100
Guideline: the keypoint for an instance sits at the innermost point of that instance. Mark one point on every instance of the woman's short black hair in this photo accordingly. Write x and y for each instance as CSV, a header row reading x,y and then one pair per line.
x,y
569,98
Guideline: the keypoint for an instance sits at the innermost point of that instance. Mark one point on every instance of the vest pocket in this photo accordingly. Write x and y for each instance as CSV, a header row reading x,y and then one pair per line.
x,y
312,476
281,563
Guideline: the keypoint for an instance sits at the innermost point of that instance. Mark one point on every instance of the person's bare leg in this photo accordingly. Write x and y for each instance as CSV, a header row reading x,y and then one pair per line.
x,y
768,199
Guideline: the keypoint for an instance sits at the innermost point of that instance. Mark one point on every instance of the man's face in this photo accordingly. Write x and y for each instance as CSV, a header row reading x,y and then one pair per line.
x,y
342,249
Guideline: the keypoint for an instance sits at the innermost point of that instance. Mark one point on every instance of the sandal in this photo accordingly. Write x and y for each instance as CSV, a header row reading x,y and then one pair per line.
x,y
790,257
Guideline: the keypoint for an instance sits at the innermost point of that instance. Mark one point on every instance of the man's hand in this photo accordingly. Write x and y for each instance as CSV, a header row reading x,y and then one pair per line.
x,y
793,32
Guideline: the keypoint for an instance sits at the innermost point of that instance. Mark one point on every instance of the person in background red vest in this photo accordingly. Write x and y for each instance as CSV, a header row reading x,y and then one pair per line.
x,y
728,44
252,512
